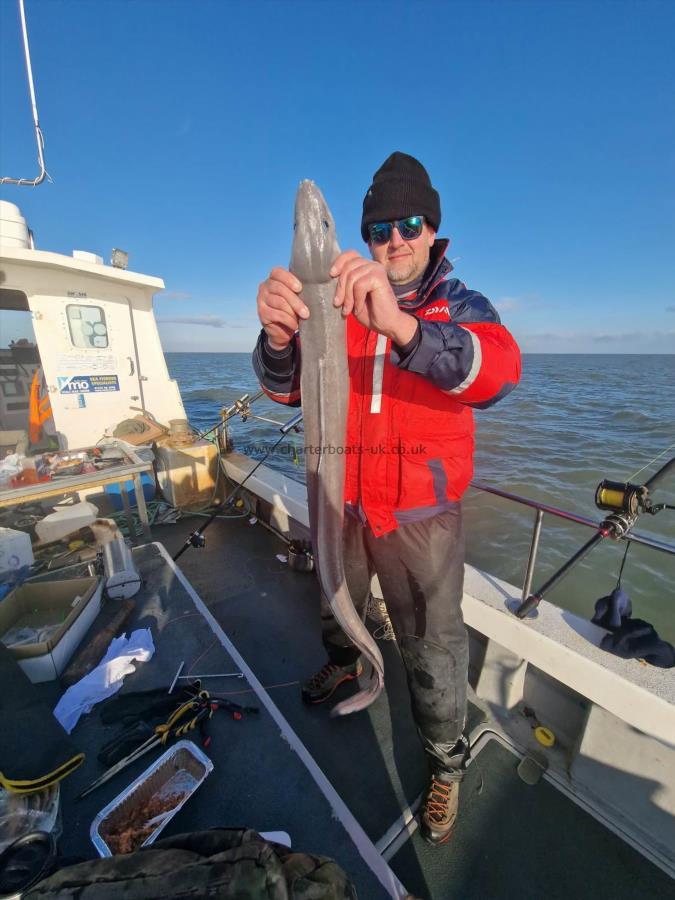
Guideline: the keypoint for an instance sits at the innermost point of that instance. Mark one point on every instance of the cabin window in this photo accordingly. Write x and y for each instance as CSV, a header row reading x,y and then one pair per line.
x,y
87,326
12,388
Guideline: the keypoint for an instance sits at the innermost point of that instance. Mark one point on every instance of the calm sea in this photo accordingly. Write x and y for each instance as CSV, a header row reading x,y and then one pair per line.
x,y
572,421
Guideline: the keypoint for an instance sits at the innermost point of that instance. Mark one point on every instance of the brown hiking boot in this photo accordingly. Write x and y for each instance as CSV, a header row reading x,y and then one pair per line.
x,y
439,810
324,684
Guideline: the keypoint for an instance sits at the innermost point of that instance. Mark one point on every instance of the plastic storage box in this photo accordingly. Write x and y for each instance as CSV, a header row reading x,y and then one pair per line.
x,y
64,520
15,550
59,613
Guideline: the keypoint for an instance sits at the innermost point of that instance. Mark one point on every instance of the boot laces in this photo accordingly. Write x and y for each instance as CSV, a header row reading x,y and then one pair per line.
x,y
321,676
437,799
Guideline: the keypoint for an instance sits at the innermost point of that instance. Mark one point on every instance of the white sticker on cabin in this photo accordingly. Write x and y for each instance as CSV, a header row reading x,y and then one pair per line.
x,y
74,401
92,362
88,384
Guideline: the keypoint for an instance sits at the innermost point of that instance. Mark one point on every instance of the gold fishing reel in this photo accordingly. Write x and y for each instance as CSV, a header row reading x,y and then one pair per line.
x,y
618,497
624,502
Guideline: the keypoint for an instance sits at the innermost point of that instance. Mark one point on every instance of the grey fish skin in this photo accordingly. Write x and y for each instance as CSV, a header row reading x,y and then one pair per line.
x,y
324,387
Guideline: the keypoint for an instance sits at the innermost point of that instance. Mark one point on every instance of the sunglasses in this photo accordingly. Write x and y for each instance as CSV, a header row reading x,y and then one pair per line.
x,y
409,229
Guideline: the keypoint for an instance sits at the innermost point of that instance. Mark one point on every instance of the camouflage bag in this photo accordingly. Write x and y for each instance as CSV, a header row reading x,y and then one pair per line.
x,y
220,863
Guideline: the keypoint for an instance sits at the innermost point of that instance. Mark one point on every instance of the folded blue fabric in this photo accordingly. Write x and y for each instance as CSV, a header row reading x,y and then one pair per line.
x,y
630,638
610,610
11,579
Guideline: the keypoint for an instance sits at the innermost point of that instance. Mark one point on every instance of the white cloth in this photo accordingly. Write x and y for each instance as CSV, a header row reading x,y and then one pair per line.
x,y
106,679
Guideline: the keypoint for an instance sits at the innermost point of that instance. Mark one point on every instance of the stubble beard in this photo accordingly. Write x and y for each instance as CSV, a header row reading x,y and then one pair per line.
x,y
398,275
403,273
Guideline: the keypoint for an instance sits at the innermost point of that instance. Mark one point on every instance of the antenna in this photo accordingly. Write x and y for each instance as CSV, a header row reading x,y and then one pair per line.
x,y
38,132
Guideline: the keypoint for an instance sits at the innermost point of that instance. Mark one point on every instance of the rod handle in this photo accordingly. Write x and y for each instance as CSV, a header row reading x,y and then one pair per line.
x,y
528,605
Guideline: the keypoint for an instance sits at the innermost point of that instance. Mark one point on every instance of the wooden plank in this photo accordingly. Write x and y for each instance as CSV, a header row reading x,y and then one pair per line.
x,y
112,618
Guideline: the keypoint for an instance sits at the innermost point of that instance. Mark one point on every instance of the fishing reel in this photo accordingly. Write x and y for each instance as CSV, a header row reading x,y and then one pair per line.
x,y
197,540
240,407
625,502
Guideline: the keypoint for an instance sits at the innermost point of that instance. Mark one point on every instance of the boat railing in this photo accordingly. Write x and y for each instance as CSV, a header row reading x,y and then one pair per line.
x,y
242,408
541,508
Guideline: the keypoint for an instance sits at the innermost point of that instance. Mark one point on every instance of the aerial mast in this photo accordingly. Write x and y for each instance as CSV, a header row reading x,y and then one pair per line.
x,y
30,182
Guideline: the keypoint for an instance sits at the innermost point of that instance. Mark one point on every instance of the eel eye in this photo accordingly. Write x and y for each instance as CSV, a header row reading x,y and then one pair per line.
x,y
326,226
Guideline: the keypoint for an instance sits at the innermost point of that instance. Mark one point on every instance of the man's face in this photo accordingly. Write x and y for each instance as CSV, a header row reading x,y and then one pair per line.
x,y
404,261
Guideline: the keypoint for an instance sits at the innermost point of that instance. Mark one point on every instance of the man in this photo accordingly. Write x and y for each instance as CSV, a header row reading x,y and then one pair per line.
x,y
423,351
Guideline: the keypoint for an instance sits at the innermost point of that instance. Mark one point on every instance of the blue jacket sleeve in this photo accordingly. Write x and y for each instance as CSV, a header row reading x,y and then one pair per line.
x,y
472,356
278,371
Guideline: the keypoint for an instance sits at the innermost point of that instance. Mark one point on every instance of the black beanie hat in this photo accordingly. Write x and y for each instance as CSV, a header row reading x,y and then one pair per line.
x,y
401,187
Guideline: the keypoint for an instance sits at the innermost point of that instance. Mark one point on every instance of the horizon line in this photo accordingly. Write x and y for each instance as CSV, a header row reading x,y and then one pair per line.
x,y
523,352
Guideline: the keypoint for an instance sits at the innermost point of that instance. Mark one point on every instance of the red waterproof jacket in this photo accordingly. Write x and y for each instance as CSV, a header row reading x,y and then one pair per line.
x,y
409,447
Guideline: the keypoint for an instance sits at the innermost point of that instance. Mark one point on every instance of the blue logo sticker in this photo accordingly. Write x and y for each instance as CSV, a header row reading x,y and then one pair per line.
x,y
88,384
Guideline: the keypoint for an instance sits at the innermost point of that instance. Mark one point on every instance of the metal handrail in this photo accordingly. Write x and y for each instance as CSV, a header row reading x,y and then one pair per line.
x,y
242,407
541,508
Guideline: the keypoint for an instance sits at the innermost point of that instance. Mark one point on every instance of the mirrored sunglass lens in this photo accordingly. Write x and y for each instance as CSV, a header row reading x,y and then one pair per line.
x,y
380,232
411,227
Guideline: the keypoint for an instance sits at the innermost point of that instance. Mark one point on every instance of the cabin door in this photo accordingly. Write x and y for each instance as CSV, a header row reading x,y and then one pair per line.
x,y
90,360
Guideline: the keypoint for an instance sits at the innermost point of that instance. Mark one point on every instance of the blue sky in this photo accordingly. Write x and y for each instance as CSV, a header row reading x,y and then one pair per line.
x,y
179,131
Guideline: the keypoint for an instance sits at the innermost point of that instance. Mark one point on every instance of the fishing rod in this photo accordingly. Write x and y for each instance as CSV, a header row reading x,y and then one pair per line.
x,y
625,502
241,407
196,538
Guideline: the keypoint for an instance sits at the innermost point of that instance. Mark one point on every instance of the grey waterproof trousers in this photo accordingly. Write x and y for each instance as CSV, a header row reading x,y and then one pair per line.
x,y
420,567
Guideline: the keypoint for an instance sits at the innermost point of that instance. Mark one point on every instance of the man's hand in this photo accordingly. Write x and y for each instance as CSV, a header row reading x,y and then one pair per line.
x,y
280,308
364,289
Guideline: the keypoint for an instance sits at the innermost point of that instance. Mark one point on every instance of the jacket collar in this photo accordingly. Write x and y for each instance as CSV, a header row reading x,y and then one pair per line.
x,y
439,267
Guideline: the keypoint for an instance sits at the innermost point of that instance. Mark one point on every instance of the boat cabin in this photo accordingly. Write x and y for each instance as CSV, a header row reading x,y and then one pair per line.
x,y
86,333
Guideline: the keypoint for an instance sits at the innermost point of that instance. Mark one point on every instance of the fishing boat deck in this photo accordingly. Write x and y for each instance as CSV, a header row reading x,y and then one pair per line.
x,y
259,779
260,617
511,838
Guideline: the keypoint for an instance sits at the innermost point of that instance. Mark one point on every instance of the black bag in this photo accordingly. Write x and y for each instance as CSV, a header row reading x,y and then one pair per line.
x,y
221,863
